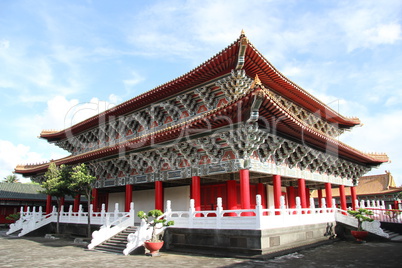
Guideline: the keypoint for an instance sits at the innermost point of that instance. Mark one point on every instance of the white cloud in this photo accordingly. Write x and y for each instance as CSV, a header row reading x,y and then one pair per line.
x,y
11,155
380,133
132,81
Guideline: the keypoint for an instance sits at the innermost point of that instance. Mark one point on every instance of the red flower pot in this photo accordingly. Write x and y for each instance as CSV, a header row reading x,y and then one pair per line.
x,y
153,247
359,235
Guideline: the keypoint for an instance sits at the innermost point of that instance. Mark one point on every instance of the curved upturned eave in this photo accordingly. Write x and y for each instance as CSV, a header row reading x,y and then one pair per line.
x,y
299,130
256,63
157,137
220,64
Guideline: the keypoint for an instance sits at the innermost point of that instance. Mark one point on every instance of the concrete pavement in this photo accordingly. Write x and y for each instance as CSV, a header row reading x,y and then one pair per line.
x,y
40,252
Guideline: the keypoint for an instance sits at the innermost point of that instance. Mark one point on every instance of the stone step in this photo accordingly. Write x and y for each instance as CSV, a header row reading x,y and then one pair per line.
x,y
117,243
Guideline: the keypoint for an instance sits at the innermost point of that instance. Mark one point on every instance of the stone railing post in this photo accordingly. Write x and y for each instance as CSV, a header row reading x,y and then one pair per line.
x,y
168,210
116,211
281,203
324,205
298,205
312,205
191,211
219,213
79,213
103,212
70,213
362,205
132,213
258,212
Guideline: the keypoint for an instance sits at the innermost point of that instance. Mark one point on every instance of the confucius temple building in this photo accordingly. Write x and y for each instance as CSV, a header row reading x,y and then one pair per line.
x,y
233,128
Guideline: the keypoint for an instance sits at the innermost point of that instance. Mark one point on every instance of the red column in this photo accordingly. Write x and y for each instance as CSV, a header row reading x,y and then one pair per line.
x,y
307,197
277,192
196,192
353,196
291,196
319,191
261,190
159,195
129,197
396,204
342,196
48,204
302,192
76,203
245,188
328,194
231,193
95,199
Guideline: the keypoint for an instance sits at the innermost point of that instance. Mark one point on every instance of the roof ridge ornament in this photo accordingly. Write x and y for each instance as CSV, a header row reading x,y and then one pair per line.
x,y
256,82
242,51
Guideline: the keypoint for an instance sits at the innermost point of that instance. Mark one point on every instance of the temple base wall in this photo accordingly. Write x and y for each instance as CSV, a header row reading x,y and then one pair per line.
x,y
245,242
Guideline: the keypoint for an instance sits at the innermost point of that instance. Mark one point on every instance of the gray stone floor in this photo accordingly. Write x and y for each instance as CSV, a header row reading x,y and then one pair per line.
x,y
40,252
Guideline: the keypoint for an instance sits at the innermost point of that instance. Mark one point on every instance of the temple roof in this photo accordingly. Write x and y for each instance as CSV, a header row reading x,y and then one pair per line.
x,y
268,81
241,54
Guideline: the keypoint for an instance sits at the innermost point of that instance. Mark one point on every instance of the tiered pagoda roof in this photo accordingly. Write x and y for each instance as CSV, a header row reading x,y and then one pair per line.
x,y
239,55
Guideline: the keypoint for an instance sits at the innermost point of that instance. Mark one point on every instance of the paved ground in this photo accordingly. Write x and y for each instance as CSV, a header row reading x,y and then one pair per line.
x,y
40,252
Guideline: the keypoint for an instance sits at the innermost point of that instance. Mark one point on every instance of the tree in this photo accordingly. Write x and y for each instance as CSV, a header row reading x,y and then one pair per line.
x,y
11,179
56,183
81,183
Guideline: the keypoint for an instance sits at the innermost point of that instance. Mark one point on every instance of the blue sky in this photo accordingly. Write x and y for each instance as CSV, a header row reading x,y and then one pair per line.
x,y
62,61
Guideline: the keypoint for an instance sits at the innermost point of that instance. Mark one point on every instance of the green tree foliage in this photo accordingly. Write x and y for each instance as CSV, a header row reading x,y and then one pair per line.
x,y
361,215
56,183
11,179
81,183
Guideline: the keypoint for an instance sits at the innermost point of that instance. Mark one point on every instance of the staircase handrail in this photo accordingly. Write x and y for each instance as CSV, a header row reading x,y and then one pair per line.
x,y
34,223
108,230
143,233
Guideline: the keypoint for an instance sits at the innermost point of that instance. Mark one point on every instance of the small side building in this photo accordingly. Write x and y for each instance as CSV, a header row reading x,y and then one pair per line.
x,y
13,196
381,187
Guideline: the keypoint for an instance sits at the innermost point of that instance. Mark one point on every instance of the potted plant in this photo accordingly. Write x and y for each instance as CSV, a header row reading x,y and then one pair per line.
x,y
361,215
151,218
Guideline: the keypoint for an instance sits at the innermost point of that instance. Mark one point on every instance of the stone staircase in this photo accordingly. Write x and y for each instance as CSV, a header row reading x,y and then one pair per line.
x,y
117,243
394,237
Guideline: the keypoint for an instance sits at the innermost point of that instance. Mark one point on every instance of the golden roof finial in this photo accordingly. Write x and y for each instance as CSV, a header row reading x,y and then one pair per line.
x,y
256,82
242,33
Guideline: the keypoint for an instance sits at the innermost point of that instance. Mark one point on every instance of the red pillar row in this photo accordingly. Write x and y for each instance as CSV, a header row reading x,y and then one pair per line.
x,y
196,192
354,196
95,199
262,191
245,189
342,197
319,191
76,205
231,194
129,197
307,197
328,194
302,193
277,192
291,196
48,204
159,195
